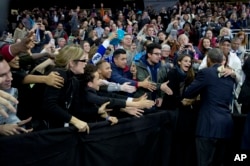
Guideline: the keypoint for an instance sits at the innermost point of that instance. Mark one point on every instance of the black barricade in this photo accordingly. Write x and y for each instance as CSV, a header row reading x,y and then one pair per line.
x,y
145,141
133,141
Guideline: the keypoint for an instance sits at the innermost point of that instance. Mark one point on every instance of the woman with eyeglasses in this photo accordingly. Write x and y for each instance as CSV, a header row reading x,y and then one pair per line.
x,y
59,104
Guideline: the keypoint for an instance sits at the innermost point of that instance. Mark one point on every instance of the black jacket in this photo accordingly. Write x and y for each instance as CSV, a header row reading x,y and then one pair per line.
x,y
90,101
58,103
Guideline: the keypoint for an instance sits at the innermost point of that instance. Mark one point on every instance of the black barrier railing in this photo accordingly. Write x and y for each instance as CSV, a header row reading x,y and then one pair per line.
x,y
145,141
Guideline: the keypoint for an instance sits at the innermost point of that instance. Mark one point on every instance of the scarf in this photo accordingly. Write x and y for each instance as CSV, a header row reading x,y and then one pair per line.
x,y
182,74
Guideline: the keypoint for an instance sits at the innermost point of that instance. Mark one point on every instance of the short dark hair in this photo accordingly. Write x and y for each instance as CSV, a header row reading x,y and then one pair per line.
x,y
215,55
187,23
118,52
88,75
98,64
162,32
152,46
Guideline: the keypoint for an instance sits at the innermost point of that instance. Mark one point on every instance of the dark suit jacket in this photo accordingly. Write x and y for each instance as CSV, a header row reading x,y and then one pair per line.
x,y
214,119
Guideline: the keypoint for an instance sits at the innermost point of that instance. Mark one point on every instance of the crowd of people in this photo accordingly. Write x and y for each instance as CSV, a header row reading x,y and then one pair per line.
x,y
62,67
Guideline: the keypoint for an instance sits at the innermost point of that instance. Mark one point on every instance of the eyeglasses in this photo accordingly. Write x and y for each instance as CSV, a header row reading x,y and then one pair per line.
x,y
81,60
156,53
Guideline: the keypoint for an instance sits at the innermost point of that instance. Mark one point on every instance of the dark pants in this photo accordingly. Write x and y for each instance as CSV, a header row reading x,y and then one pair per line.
x,y
246,134
211,152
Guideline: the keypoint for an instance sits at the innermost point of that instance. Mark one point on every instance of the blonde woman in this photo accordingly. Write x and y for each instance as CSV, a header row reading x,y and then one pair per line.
x,y
224,32
60,104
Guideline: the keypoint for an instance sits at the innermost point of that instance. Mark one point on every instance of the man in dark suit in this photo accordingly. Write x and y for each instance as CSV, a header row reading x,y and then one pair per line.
x,y
215,124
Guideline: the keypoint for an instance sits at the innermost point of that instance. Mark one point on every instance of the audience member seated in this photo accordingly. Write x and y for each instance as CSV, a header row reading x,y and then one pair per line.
x,y
189,31
244,40
41,37
59,32
224,32
187,47
205,46
20,32
209,34
165,59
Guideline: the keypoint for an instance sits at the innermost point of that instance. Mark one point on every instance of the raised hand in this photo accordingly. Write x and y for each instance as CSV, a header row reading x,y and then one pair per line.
x,y
146,104
13,129
147,84
166,89
125,87
112,35
143,97
5,100
133,111
103,109
26,43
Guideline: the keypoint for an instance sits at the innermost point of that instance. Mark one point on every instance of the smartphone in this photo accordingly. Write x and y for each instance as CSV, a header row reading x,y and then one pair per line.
x,y
173,34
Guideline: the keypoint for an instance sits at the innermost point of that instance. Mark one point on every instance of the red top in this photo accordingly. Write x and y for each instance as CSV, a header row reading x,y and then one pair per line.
x,y
5,51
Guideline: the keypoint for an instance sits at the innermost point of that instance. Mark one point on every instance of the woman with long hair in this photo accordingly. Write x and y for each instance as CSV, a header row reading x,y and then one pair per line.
x,y
244,41
209,34
205,46
184,117
86,48
179,78
92,37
